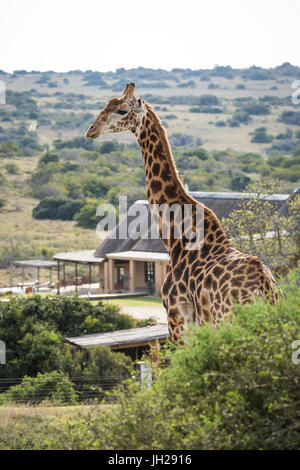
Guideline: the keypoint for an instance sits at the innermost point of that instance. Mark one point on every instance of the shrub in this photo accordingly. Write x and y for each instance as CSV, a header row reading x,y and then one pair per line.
x,y
12,169
57,208
48,157
205,109
260,136
290,117
34,328
242,117
256,109
86,217
232,387
239,183
54,386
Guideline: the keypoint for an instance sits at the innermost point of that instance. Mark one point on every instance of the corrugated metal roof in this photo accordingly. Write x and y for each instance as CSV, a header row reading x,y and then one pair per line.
x,y
122,337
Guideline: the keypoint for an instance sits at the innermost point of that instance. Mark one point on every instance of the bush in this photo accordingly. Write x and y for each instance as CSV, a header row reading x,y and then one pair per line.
x,y
240,86
242,117
205,109
239,183
54,386
290,117
57,208
34,328
232,387
86,217
48,157
260,136
256,109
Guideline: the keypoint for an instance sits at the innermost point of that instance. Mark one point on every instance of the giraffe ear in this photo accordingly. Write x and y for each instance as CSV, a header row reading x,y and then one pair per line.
x,y
138,105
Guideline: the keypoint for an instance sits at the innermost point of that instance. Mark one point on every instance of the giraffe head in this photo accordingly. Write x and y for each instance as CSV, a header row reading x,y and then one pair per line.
x,y
120,114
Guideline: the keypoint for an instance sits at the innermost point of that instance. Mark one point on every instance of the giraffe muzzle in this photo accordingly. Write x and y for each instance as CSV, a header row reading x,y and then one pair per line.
x,y
92,132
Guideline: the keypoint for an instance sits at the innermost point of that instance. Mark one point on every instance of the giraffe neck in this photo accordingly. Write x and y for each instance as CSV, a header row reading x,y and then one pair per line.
x,y
164,186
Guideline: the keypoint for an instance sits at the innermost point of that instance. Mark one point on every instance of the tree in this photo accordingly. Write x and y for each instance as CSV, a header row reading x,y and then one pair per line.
x,y
239,183
87,217
57,208
259,228
34,331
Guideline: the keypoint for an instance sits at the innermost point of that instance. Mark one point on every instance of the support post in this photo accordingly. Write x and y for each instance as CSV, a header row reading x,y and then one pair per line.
x,y
11,274
111,266
145,373
76,279
58,277
132,275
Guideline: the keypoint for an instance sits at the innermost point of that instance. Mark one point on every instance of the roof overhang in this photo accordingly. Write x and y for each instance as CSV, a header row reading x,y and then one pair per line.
x,y
35,263
83,257
139,256
122,339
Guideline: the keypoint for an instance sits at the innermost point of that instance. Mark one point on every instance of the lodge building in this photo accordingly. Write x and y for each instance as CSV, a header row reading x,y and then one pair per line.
x,y
140,265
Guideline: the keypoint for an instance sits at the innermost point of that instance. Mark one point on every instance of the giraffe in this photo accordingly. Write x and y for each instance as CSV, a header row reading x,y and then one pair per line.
x,y
202,285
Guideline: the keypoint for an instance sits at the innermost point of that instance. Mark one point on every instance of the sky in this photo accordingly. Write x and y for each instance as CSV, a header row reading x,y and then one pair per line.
x,y
63,35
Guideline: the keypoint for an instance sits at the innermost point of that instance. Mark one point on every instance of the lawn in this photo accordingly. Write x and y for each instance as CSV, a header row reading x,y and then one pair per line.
x,y
137,302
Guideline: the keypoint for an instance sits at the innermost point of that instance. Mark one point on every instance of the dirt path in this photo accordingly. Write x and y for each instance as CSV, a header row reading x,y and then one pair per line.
x,y
157,312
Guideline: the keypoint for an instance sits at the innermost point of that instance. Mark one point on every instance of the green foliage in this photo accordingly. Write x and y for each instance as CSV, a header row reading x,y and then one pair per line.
x,y
54,386
57,208
231,387
12,169
48,157
258,227
260,136
257,73
240,86
242,117
94,186
34,328
24,432
86,216
256,109
239,183
206,109
10,150
290,117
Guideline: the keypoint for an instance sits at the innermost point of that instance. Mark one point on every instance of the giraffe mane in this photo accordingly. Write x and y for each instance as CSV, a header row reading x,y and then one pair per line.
x,y
167,147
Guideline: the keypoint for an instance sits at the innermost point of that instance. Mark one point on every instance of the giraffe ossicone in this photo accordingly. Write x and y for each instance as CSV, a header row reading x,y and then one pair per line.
x,y
202,284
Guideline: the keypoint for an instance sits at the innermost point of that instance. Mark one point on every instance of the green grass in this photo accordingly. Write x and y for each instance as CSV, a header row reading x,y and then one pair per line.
x,y
29,428
137,302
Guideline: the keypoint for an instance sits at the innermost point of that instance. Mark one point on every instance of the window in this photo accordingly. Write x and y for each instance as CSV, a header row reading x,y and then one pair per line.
x,y
149,271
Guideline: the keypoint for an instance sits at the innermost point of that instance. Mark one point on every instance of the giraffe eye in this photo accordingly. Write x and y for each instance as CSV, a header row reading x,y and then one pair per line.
x,y
121,112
